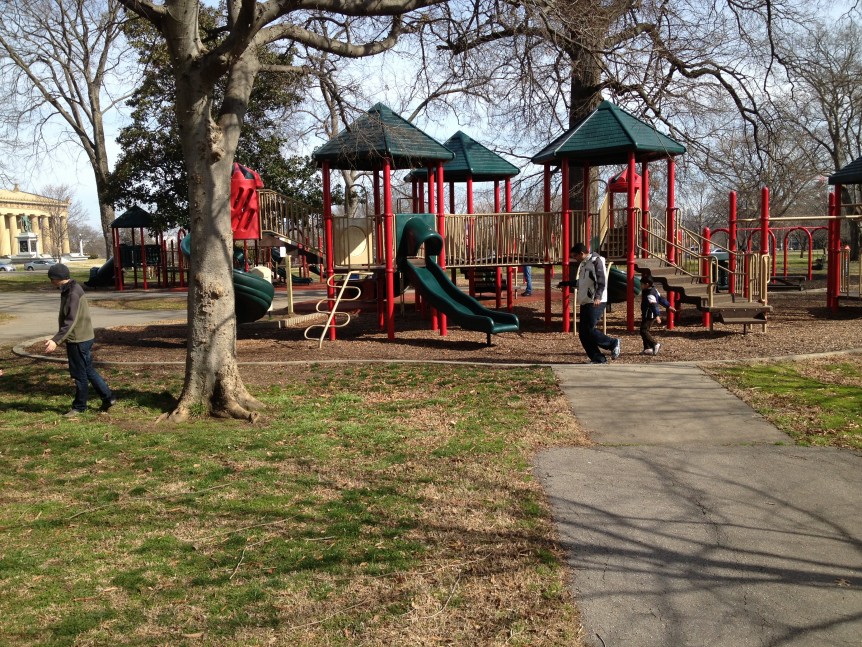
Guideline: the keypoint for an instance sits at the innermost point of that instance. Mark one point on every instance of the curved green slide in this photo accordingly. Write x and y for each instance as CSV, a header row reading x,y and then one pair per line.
x,y
439,291
252,294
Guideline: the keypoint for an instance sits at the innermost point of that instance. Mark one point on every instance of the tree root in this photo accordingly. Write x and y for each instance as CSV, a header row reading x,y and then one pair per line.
x,y
178,415
233,409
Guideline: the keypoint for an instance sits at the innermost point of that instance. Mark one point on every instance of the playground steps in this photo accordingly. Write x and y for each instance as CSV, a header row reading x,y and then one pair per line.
x,y
725,308
746,314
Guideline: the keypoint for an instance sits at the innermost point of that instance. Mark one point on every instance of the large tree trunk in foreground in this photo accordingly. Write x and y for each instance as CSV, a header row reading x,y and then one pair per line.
x,y
212,373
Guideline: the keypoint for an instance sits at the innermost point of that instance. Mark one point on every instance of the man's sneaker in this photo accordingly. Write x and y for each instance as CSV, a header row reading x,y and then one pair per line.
x,y
527,294
615,352
647,351
599,361
107,404
72,413
655,350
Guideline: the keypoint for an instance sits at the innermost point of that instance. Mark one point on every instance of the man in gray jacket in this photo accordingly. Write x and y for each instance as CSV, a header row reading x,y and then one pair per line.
x,y
591,282
76,329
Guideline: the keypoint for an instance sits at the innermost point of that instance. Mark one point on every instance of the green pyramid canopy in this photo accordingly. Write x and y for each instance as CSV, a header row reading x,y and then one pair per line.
x,y
378,134
133,219
607,136
850,174
472,159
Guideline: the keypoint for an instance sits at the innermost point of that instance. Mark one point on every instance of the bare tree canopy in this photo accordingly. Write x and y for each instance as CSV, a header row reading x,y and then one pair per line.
x,y
62,69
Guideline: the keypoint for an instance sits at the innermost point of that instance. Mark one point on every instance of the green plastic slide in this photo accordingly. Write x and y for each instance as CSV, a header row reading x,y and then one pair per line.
x,y
461,309
252,294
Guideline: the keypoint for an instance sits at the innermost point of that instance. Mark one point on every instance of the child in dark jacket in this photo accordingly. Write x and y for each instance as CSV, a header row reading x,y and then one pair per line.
x,y
651,300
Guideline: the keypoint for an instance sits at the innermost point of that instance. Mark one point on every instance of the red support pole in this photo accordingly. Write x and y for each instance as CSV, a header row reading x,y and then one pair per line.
x,y
500,243
764,220
706,270
546,181
670,229
163,265
510,294
731,241
833,257
441,229
632,238
389,238
414,193
431,183
645,217
567,241
588,224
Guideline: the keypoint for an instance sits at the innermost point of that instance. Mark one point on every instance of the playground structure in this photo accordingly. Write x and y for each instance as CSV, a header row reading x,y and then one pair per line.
x,y
629,237
727,283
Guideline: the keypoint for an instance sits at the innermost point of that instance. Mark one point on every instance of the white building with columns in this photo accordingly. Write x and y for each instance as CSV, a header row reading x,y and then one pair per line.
x,y
32,226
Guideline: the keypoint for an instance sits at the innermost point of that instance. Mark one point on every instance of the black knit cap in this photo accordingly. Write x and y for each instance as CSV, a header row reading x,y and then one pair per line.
x,y
647,279
58,271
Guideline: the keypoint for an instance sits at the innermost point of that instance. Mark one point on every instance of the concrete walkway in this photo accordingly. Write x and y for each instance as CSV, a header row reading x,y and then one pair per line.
x,y
696,523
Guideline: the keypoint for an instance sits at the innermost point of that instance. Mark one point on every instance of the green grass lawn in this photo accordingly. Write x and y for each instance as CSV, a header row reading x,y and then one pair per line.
x,y
816,402
370,505
24,281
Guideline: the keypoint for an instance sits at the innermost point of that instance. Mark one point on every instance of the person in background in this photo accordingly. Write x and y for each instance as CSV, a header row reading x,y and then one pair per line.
x,y
651,300
591,282
76,329
528,280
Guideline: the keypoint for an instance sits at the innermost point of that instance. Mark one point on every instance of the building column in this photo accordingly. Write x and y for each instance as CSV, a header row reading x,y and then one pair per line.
x,y
13,233
5,245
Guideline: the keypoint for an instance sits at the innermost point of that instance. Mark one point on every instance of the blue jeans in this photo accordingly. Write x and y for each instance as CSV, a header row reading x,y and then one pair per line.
x,y
82,371
528,278
593,339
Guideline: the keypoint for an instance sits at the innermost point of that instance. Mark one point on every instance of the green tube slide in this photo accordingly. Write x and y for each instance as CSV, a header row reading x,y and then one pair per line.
x,y
432,281
252,294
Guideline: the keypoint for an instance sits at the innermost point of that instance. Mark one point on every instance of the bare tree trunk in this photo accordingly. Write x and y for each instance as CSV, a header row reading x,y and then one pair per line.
x,y
212,372
584,97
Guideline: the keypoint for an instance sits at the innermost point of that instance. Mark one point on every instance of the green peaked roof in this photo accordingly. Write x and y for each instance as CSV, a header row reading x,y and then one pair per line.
x,y
132,219
472,159
850,174
378,134
607,136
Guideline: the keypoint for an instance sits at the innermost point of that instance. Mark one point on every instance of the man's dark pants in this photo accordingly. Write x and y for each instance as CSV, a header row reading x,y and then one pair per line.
x,y
593,339
82,371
